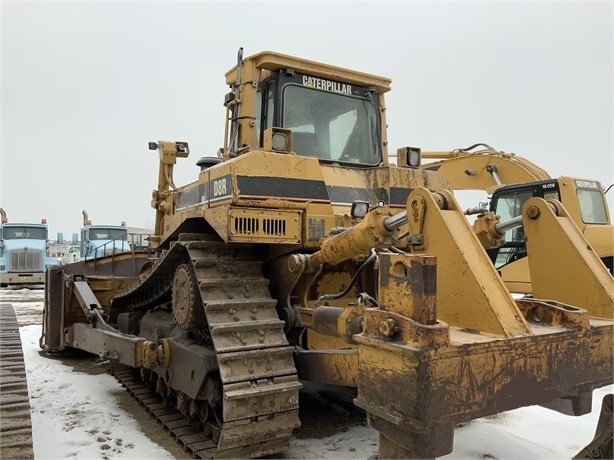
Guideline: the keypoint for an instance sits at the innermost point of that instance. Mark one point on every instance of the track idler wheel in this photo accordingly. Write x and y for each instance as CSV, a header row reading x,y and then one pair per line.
x,y
188,309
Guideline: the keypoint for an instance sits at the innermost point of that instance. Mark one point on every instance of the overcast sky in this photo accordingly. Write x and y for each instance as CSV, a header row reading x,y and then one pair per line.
x,y
86,85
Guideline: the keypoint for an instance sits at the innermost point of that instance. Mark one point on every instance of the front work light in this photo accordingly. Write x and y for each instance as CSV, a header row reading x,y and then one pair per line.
x,y
359,209
277,140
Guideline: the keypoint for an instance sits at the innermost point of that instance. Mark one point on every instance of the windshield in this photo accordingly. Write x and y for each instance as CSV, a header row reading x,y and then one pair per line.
x,y
108,233
507,207
592,206
510,206
331,126
24,232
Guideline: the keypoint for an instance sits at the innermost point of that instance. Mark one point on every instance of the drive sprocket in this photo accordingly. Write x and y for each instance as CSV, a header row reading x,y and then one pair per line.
x,y
187,305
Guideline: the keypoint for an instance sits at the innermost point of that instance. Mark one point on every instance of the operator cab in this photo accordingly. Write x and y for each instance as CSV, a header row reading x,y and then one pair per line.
x,y
332,121
507,203
333,114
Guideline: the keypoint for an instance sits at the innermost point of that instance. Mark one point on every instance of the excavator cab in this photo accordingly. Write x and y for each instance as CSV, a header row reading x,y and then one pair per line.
x,y
507,203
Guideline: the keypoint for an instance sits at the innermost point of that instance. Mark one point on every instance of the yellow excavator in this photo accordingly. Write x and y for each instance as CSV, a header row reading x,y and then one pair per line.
x,y
301,253
510,180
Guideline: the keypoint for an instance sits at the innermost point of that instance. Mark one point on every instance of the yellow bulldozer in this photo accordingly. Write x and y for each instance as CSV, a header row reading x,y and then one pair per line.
x,y
510,180
301,253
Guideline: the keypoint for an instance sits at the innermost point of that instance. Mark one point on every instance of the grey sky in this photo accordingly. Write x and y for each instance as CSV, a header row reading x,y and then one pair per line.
x,y
85,86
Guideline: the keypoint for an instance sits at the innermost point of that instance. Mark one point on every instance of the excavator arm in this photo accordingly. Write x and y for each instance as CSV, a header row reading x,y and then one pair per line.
x,y
482,169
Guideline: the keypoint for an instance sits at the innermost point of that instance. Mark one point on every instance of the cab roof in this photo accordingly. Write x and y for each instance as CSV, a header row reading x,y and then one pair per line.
x,y
271,61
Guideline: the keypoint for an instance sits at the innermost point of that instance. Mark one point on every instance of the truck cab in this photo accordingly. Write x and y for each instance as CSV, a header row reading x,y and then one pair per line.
x,y
24,255
102,240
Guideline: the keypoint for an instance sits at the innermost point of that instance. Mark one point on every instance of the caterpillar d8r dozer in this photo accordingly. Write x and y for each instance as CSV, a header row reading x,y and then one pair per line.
x,y
301,254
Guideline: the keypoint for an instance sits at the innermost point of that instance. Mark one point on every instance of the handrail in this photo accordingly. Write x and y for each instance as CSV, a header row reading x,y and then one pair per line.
x,y
93,253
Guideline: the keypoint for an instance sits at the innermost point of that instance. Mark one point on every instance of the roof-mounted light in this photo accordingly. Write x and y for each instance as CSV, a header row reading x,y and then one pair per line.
x,y
409,157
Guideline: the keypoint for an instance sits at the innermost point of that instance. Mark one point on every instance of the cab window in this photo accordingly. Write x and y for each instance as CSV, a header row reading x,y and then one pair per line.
x,y
331,126
592,207
507,207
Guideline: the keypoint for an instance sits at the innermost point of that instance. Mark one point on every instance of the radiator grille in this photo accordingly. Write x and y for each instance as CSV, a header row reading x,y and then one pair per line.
x,y
275,227
254,226
264,225
246,225
26,261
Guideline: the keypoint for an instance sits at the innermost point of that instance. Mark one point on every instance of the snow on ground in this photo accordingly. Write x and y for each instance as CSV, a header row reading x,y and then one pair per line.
x,y
74,414
77,415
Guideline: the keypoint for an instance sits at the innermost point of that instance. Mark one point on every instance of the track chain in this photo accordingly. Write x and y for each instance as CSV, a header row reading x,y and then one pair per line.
x,y
15,418
258,376
186,434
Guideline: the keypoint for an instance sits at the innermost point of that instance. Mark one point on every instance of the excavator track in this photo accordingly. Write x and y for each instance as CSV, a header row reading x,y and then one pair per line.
x,y
15,418
256,368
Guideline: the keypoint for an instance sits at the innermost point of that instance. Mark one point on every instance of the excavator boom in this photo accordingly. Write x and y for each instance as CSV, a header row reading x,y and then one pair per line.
x,y
483,169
